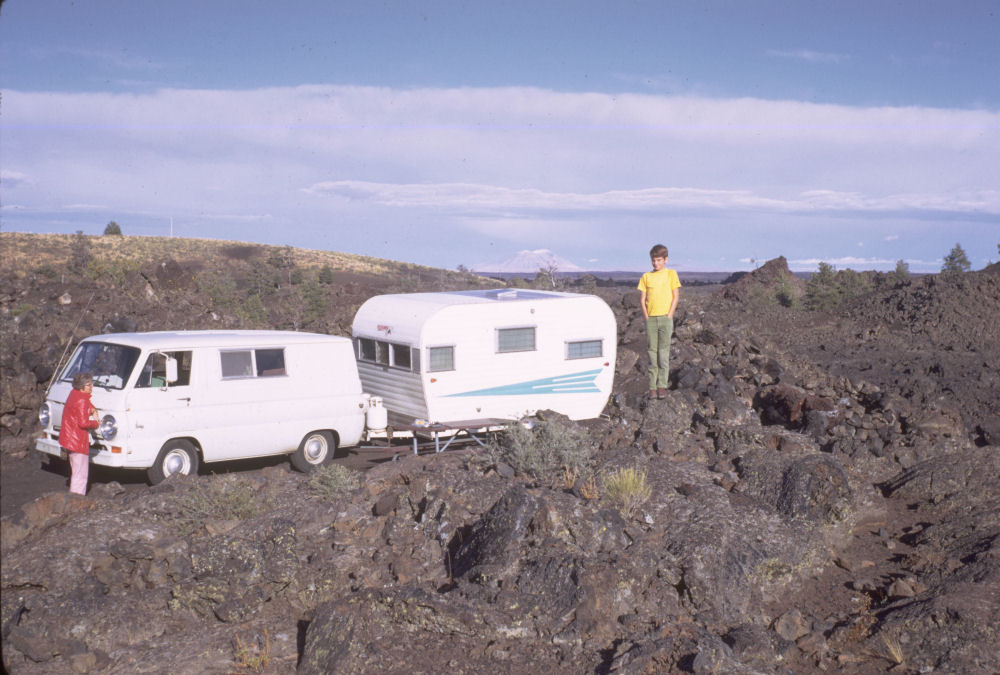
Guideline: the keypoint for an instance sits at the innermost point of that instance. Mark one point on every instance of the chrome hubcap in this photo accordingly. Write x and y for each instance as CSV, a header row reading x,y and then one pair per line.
x,y
175,462
315,448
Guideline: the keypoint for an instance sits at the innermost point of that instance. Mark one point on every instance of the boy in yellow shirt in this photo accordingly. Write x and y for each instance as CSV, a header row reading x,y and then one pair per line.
x,y
659,292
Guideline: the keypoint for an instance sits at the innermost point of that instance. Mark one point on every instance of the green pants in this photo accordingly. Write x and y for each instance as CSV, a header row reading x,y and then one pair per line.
x,y
658,332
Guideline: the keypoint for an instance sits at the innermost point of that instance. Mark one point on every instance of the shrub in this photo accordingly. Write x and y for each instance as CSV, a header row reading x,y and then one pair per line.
x,y
850,284
325,275
79,253
332,480
221,291
218,499
627,489
786,295
543,451
252,310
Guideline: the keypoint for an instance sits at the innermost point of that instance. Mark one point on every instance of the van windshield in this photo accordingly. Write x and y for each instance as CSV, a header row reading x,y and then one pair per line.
x,y
109,364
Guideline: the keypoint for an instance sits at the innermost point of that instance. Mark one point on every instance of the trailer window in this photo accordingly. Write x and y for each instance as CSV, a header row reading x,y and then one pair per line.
x,y
584,349
382,352
385,353
440,358
366,349
515,339
401,356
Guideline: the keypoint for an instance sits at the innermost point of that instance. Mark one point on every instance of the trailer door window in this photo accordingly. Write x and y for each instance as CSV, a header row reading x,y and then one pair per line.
x,y
584,349
516,339
440,358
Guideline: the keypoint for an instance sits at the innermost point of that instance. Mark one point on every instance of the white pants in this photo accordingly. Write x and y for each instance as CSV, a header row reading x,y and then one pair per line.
x,y
79,465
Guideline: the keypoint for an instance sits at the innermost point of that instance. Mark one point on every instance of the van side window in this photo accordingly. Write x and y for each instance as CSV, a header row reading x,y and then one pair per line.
x,y
240,362
236,363
440,358
154,372
515,339
585,349
384,353
270,362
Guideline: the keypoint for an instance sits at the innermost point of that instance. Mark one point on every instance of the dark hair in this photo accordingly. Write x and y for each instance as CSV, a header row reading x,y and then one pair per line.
x,y
658,251
81,380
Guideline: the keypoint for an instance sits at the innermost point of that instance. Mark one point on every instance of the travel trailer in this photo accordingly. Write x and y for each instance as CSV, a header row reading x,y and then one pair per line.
x,y
169,400
485,354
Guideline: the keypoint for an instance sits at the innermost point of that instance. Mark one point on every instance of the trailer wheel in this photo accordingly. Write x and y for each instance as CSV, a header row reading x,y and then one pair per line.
x,y
176,457
315,450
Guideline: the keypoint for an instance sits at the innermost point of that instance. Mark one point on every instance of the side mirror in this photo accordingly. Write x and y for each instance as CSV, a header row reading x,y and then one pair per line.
x,y
171,370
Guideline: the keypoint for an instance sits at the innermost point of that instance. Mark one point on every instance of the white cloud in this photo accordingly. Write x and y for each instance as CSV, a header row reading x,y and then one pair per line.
x,y
809,56
528,166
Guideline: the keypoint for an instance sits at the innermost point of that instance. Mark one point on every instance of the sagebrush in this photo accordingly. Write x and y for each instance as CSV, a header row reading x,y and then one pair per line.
x,y
545,450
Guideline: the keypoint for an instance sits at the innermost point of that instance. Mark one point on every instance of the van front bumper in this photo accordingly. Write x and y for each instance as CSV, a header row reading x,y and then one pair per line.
x,y
105,457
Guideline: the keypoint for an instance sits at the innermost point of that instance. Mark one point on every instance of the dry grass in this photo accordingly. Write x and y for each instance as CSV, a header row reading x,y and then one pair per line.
x,y
627,489
588,488
255,656
34,251
892,645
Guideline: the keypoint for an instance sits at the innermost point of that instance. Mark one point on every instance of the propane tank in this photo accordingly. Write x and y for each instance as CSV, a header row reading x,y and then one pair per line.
x,y
376,416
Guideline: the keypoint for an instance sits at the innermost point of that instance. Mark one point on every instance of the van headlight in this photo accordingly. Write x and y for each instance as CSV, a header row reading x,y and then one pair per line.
x,y
44,416
108,428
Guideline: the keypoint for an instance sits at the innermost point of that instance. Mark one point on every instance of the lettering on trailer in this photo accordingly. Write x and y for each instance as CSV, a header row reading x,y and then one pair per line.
x,y
382,328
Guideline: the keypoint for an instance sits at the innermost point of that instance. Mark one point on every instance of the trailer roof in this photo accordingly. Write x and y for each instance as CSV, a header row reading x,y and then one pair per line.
x,y
213,338
479,296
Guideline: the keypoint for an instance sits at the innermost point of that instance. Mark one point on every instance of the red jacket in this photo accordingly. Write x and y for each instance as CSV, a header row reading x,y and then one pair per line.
x,y
75,421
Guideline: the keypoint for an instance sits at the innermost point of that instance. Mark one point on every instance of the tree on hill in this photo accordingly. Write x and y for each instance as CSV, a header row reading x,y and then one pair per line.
x,y
901,274
822,290
112,228
956,261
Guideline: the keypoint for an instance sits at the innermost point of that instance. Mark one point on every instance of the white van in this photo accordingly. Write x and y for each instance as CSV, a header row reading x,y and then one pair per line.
x,y
486,354
170,400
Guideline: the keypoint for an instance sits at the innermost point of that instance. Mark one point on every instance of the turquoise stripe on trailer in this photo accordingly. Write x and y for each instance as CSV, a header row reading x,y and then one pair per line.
x,y
575,383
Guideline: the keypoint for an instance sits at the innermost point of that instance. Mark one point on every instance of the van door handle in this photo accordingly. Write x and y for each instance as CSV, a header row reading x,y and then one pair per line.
x,y
185,398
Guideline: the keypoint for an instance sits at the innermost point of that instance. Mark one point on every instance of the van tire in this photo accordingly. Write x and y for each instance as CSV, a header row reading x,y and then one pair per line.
x,y
176,457
315,450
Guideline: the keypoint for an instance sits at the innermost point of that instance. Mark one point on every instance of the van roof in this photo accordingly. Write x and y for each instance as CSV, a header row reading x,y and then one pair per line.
x,y
214,338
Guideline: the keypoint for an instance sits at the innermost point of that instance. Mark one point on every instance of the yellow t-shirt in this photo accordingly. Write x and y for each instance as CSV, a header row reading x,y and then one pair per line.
x,y
659,287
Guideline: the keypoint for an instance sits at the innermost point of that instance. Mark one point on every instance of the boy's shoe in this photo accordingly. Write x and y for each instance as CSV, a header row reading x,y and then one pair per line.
x,y
661,393
653,395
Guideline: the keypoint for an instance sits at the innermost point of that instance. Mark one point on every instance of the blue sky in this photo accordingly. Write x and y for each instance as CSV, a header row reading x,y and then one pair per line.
x,y
448,133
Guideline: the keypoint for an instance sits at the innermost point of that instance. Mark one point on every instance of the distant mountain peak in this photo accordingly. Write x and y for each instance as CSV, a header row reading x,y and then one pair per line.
x,y
529,261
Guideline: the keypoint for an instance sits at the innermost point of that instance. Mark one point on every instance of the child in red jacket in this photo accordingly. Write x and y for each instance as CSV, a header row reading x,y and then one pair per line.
x,y
79,415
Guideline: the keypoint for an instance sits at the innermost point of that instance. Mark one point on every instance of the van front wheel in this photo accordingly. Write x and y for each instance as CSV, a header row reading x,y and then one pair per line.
x,y
315,450
176,457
